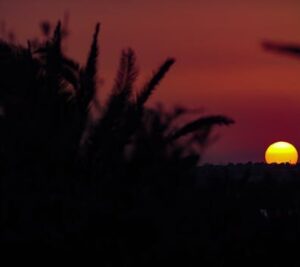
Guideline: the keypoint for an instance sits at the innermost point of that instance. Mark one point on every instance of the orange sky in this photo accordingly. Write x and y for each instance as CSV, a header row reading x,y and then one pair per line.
x,y
220,64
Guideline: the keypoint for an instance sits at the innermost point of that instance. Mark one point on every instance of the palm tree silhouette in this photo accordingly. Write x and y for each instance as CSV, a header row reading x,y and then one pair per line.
x,y
65,176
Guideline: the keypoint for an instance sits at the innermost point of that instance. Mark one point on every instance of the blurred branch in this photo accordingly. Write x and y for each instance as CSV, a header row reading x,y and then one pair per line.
x,y
282,48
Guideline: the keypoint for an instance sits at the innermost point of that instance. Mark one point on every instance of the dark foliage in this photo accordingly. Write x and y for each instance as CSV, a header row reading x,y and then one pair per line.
x,y
125,187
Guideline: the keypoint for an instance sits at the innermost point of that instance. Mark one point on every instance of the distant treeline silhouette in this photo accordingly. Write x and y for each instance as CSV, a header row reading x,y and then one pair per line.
x,y
124,187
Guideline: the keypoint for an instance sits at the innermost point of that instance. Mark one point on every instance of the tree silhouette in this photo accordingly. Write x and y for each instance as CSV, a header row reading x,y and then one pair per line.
x,y
71,182
126,187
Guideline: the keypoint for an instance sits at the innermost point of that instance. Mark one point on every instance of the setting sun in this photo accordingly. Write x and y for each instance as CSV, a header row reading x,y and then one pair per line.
x,y
281,152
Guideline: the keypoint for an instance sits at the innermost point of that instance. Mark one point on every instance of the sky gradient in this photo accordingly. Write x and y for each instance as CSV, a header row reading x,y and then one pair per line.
x,y
220,67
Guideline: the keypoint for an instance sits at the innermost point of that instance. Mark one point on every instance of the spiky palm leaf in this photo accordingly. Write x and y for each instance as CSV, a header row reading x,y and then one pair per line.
x,y
198,124
109,130
88,74
123,87
151,85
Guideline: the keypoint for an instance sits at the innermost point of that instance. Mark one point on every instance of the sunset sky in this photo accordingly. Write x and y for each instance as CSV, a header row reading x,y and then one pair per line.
x,y
220,67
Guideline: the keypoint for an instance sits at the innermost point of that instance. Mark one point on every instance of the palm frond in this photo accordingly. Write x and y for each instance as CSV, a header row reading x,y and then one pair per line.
x,y
151,85
127,74
198,124
124,82
283,48
90,71
116,123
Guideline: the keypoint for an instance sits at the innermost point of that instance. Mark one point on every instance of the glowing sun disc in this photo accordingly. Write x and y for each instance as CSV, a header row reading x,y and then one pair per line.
x,y
281,152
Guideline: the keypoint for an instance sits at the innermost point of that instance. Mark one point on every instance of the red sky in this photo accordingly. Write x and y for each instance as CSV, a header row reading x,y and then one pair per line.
x,y
220,64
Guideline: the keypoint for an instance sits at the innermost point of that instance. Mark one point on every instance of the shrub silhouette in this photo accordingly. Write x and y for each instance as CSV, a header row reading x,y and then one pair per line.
x,y
112,185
